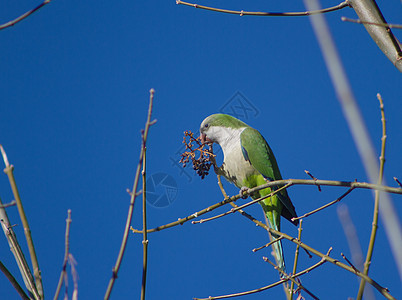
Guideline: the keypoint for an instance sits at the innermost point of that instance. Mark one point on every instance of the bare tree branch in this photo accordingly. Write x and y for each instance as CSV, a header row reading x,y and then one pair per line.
x,y
322,261
376,201
22,17
133,197
350,184
296,259
293,280
325,206
18,254
354,244
387,25
267,14
66,253
34,260
12,203
144,227
369,12
243,206
14,282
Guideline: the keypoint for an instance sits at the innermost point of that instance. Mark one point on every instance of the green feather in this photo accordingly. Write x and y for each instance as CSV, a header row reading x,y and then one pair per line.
x,y
257,151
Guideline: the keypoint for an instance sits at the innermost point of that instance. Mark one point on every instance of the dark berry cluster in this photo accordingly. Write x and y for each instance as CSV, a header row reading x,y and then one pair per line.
x,y
203,163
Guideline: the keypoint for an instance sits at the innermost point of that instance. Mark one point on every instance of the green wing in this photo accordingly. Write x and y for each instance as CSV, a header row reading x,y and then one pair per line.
x,y
257,151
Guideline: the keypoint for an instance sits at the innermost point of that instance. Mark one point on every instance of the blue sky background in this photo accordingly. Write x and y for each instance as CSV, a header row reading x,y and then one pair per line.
x,y
74,89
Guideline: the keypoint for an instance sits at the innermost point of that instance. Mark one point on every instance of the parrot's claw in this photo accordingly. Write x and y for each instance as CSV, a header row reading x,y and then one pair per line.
x,y
242,190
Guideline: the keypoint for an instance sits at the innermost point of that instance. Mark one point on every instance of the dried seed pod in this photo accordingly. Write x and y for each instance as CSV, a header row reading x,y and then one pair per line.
x,y
203,163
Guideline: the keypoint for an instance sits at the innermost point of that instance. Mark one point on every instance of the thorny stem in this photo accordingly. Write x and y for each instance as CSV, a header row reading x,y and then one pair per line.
x,y
376,202
133,197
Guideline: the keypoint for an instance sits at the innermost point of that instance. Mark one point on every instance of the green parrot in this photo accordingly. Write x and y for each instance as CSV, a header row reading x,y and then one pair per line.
x,y
249,162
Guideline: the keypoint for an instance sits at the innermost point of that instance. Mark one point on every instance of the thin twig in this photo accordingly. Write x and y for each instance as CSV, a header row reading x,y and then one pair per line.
x,y
262,198
345,19
354,244
398,182
268,244
18,254
349,262
12,203
66,252
312,177
326,205
293,280
374,226
296,257
350,184
14,282
144,228
181,221
322,261
74,274
267,14
242,206
225,195
368,11
35,265
132,200
22,17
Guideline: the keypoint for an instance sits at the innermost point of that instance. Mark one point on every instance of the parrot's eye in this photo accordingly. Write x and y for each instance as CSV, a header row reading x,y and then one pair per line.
x,y
206,125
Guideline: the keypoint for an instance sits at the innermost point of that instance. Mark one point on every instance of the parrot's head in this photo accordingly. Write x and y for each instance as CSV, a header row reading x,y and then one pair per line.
x,y
219,127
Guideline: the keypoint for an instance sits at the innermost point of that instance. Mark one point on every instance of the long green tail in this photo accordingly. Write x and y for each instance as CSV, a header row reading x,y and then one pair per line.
x,y
277,246
273,216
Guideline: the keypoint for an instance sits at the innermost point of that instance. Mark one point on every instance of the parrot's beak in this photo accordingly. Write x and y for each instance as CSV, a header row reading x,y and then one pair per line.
x,y
204,138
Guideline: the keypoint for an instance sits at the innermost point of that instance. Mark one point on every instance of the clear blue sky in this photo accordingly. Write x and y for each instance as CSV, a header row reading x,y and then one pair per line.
x,y
74,96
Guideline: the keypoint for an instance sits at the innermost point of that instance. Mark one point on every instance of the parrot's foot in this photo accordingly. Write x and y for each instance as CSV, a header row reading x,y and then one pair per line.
x,y
242,190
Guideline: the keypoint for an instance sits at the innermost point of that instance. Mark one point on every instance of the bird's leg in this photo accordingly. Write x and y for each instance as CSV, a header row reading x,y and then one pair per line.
x,y
242,190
